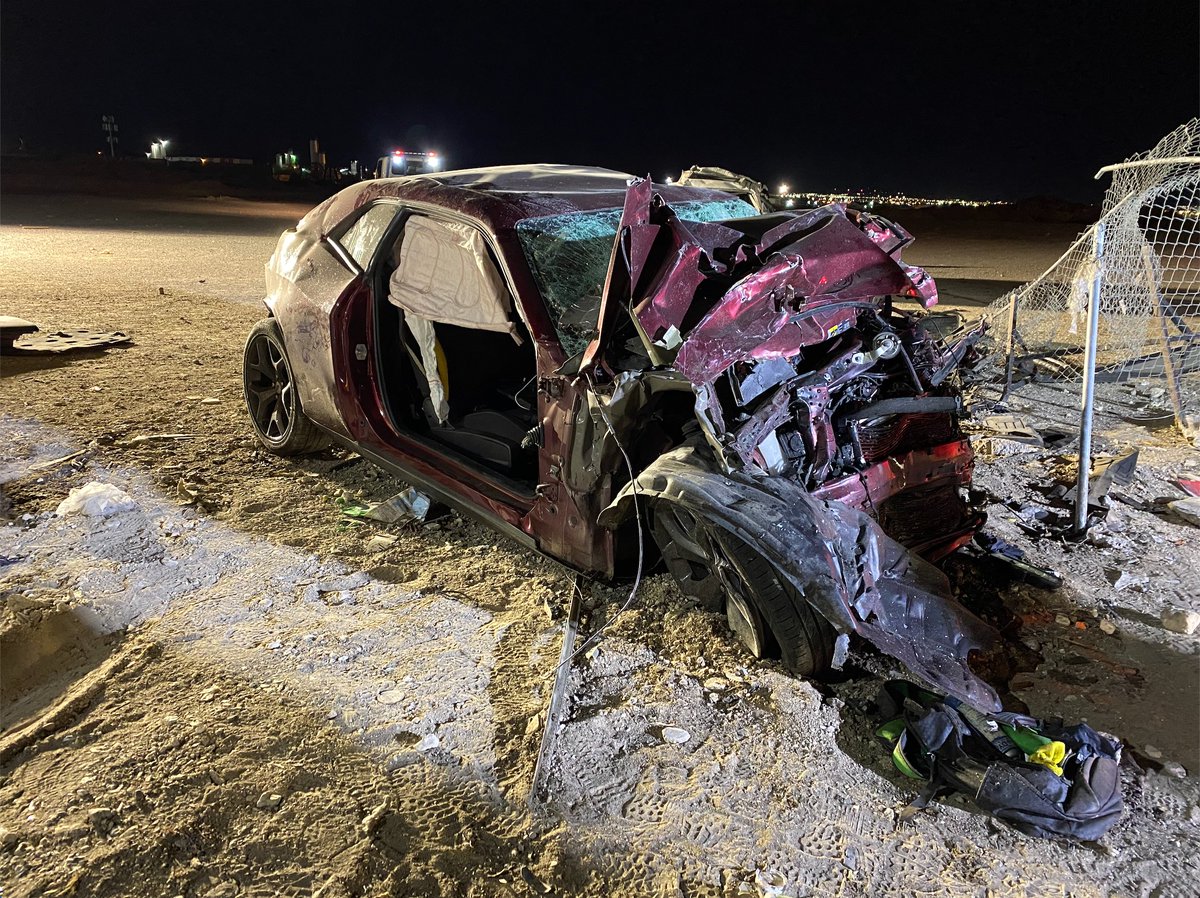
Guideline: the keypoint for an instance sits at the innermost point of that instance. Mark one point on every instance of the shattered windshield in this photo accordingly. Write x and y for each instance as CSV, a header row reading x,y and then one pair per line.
x,y
569,254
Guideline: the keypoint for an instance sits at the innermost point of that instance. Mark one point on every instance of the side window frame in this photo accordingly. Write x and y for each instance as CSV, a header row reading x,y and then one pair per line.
x,y
335,235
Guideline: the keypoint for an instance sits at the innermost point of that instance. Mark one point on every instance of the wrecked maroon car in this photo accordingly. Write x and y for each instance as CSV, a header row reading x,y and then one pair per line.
x,y
572,355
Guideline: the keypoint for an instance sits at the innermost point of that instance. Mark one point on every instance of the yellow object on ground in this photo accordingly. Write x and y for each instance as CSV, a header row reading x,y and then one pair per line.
x,y
1051,755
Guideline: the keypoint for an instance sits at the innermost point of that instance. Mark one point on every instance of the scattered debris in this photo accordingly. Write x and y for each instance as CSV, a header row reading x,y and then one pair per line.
x,y
269,801
96,500
558,695
770,883
675,735
1191,487
1106,472
1041,777
406,507
187,492
153,437
67,341
11,329
429,742
1180,620
1013,558
55,462
381,541
1126,580
1188,509
372,821
1010,428
1172,768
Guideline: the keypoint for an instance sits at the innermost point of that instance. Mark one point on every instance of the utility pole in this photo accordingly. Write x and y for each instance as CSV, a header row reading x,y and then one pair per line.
x,y
109,124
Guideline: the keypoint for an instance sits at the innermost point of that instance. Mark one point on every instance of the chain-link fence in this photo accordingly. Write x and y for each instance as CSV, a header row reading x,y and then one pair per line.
x,y
1148,273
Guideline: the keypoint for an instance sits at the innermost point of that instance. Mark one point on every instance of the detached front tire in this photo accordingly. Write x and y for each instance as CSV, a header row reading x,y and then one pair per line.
x,y
270,393
764,609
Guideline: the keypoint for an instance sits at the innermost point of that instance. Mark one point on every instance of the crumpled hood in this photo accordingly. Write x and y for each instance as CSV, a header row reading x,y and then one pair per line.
x,y
797,284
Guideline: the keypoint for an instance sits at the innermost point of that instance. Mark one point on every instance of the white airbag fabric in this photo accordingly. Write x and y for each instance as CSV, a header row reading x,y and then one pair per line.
x,y
444,274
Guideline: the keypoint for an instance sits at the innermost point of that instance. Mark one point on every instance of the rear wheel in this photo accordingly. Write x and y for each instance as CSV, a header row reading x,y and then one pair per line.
x,y
764,609
270,392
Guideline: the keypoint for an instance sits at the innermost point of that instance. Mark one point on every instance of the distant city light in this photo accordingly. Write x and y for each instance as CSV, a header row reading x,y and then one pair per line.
x,y
862,198
783,188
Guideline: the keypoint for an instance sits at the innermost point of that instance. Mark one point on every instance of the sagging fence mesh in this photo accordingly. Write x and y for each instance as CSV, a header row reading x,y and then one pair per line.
x,y
1149,279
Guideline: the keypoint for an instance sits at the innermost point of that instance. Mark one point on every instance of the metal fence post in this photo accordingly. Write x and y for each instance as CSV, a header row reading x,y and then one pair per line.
x,y
1089,386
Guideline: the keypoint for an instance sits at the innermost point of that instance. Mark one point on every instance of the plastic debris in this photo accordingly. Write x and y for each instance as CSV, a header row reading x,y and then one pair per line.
x,y
96,500
675,735
428,742
407,506
1191,487
1125,580
1106,472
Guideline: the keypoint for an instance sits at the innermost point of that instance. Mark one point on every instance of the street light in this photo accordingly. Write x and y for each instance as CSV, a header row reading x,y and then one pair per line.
x,y
783,188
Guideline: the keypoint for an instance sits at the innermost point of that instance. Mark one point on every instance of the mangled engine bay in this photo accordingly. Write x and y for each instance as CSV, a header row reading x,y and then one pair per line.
x,y
827,415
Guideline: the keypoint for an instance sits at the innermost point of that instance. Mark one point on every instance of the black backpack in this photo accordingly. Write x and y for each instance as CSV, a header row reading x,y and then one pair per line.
x,y
1041,777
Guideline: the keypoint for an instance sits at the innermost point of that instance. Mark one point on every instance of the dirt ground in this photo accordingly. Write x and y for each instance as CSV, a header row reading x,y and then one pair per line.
x,y
231,688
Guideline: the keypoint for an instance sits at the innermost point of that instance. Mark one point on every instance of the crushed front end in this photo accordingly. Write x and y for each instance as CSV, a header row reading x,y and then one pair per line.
x,y
826,408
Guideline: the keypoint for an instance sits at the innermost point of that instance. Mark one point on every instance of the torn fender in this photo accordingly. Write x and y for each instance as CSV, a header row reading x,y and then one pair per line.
x,y
840,560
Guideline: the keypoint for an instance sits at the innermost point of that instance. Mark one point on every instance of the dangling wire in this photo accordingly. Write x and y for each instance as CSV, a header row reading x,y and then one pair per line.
x,y
637,582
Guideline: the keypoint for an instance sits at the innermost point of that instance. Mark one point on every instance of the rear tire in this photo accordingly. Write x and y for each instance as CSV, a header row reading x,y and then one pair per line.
x,y
269,390
765,611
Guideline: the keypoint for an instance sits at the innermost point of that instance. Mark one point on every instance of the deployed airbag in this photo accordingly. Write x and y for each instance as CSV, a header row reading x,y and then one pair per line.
x,y
445,274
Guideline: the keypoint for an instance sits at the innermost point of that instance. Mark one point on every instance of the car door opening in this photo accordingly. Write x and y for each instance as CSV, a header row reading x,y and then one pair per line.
x,y
456,364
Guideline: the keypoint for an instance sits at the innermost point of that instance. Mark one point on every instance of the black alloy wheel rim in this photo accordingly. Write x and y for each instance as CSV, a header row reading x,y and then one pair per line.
x,y
710,573
270,394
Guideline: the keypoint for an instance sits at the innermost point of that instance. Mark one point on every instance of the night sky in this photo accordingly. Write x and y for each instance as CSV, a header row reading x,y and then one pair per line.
x,y
995,100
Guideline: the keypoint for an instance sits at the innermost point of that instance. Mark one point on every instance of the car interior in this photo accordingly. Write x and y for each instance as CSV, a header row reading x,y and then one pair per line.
x,y
486,379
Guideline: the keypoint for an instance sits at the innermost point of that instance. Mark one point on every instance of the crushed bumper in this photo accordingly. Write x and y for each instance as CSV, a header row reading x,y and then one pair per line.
x,y
840,560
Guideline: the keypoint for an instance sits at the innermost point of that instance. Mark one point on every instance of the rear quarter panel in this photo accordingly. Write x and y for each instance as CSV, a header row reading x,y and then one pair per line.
x,y
304,281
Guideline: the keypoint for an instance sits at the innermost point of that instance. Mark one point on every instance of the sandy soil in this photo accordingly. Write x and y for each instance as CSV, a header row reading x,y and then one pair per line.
x,y
232,689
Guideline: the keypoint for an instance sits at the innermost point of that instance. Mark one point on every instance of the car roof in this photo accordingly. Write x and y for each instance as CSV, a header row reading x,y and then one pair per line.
x,y
500,196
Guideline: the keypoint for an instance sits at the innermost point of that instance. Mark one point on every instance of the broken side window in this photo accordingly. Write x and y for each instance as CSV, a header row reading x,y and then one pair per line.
x,y
362,238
